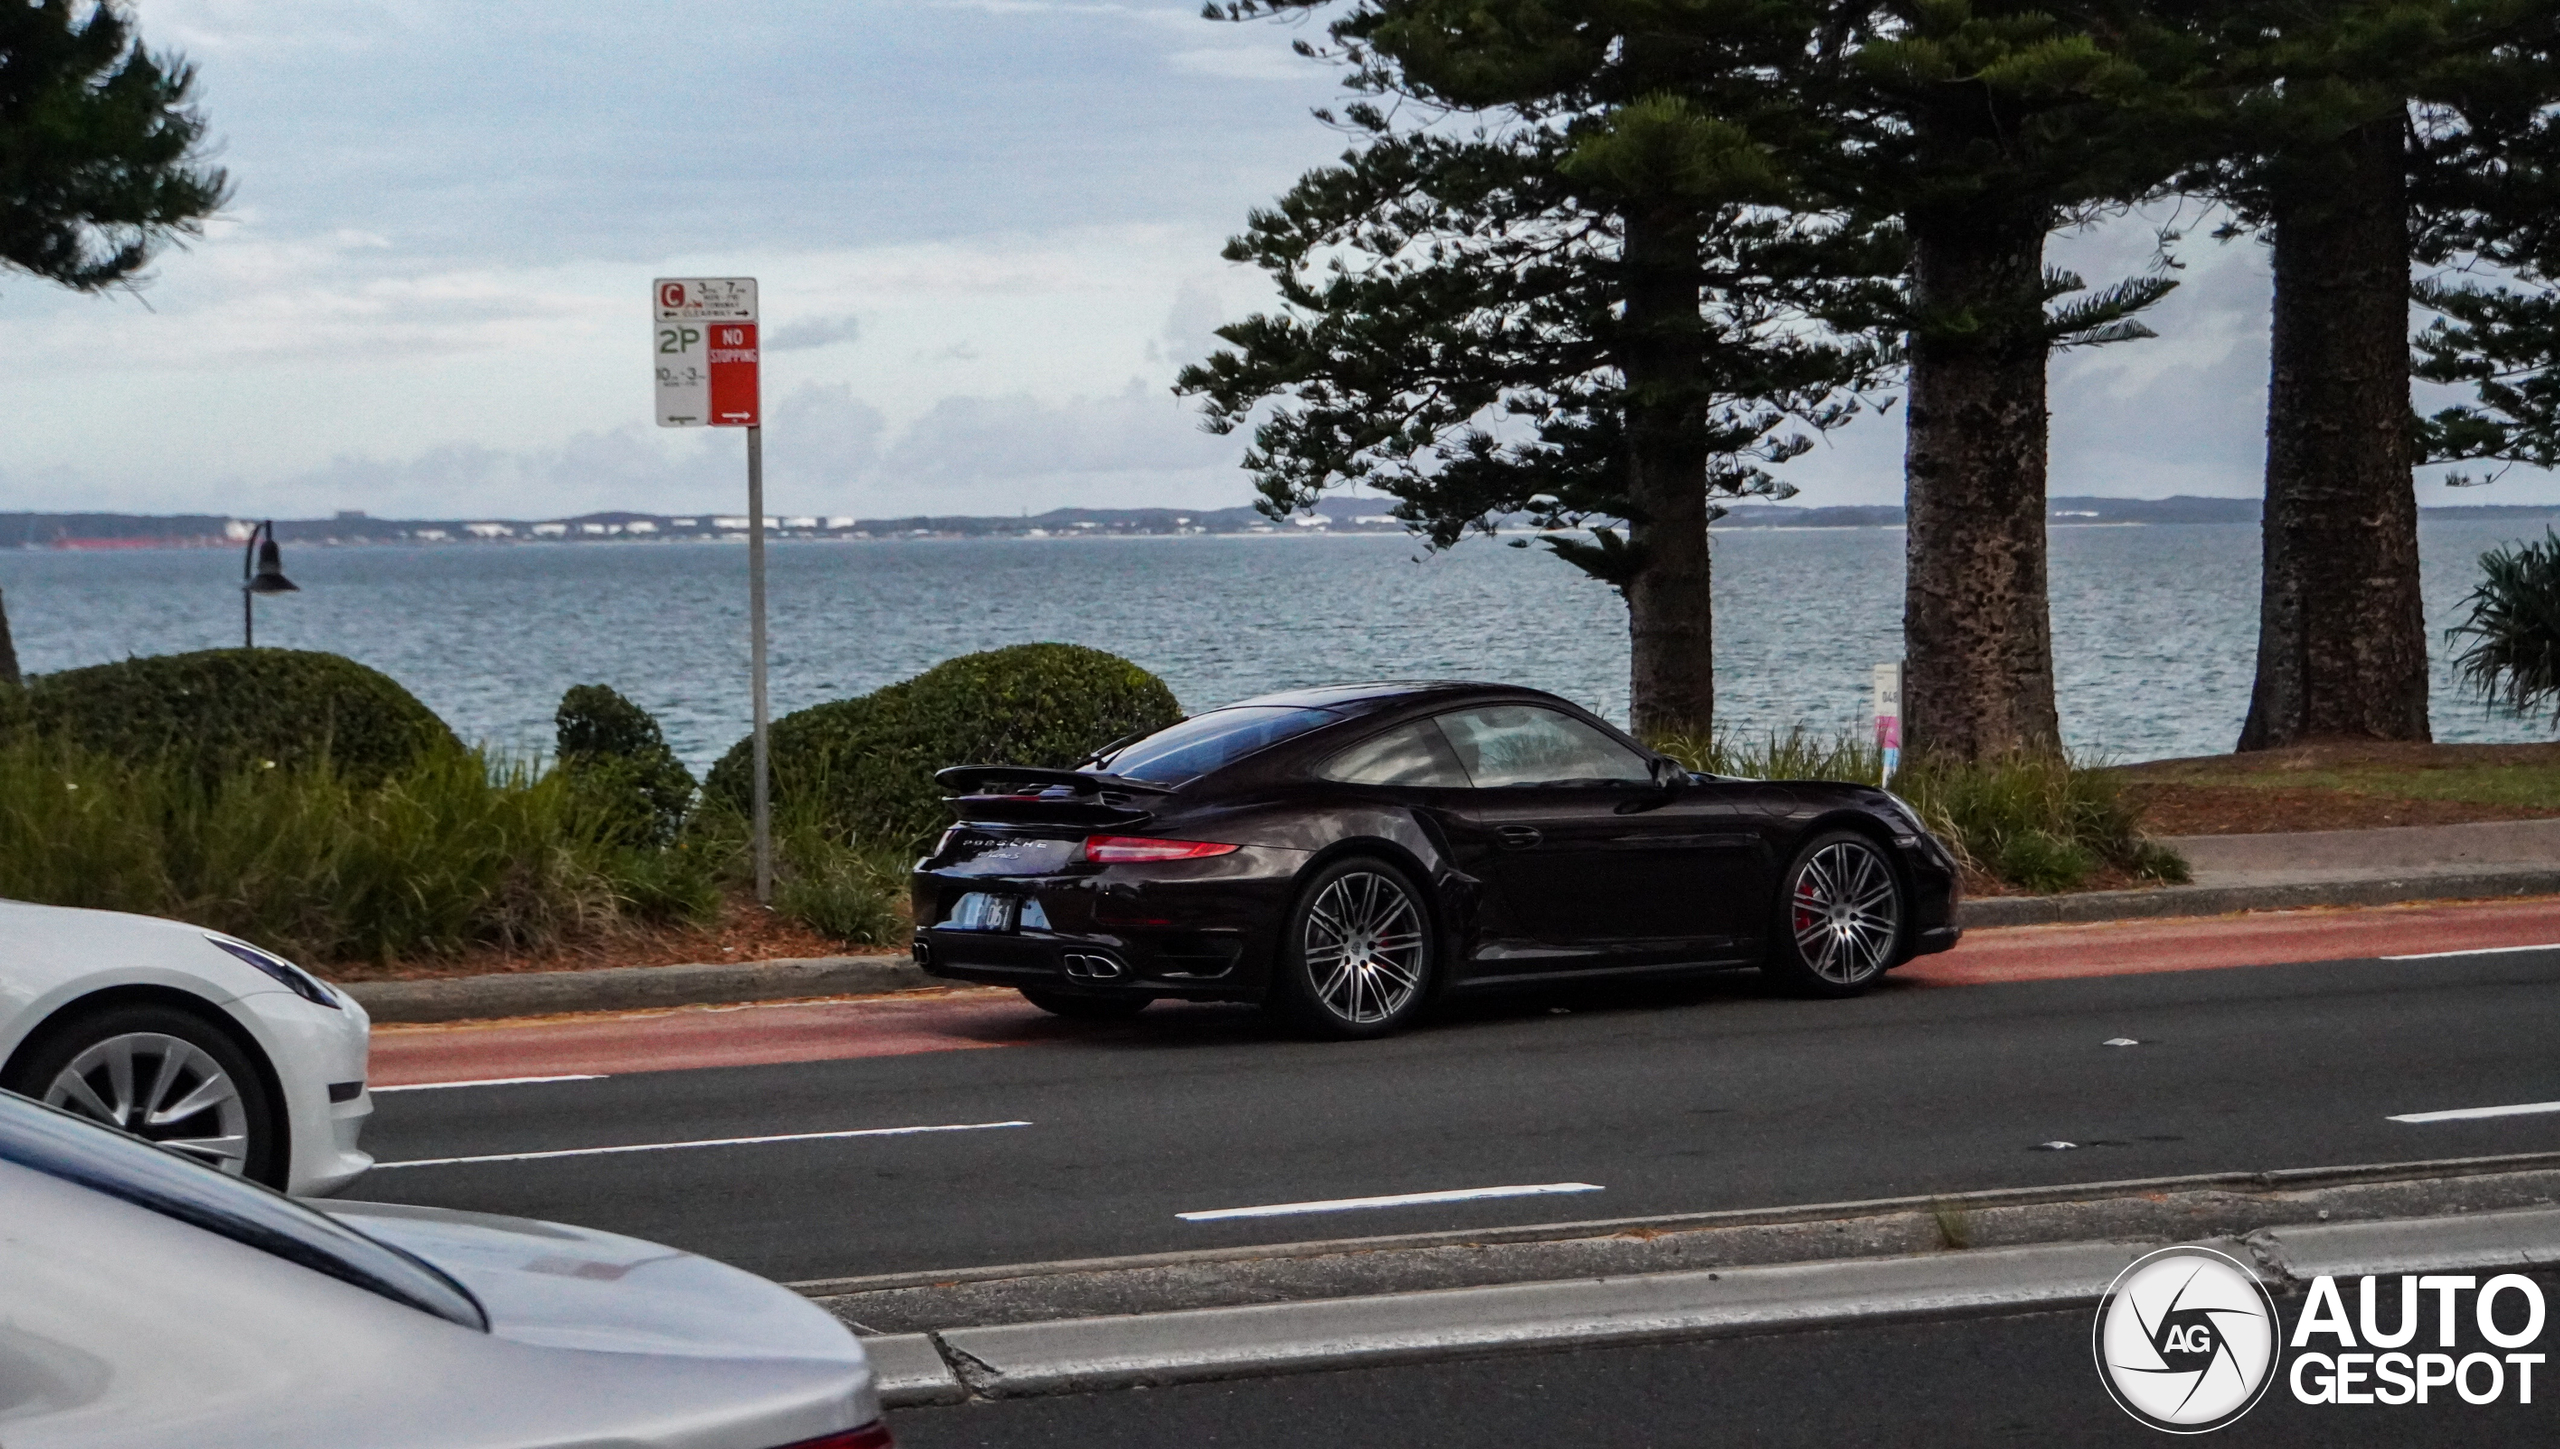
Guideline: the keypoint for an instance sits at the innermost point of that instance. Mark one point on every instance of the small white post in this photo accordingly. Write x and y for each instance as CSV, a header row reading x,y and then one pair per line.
x,y
1889,718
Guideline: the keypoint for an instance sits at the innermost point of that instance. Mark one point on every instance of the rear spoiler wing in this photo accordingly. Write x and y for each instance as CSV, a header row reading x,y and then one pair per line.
x,y
1030,795
972,781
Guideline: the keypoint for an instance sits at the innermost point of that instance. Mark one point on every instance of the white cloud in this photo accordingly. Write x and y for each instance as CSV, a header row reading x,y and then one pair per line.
x,y
977,440
1245,62
811,332
429,294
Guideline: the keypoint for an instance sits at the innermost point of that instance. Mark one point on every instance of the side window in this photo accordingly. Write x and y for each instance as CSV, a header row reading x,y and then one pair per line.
x,y
1518,744
1413,754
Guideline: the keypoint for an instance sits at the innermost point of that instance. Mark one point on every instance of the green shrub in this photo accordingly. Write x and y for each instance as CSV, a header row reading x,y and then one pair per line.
x,y
2513,658
862,769
618,763
838,891
2040,823
2042,861
452,852
855,895
221,709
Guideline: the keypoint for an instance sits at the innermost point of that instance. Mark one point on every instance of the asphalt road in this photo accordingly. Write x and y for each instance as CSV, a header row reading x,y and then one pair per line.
x,y
1718,1096
2023,1380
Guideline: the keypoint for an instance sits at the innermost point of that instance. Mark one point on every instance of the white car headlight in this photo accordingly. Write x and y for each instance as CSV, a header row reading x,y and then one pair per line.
x,y
296,980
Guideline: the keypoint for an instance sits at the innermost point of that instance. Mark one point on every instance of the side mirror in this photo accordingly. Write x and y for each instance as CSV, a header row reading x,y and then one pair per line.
x,y
1667,774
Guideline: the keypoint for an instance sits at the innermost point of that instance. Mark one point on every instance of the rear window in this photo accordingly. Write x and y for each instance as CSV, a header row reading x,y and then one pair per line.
x,y
1205,742
61,1145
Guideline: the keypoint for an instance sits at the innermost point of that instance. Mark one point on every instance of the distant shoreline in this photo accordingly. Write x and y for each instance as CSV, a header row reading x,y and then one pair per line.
x,y
117,532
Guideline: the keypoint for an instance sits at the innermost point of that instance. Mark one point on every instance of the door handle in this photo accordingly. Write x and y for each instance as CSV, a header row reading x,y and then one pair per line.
x,y
1518,837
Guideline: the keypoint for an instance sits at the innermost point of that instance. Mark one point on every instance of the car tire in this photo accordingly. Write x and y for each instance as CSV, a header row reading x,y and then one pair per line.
x,y
128,1066
1357,957
1837,924
1085,1008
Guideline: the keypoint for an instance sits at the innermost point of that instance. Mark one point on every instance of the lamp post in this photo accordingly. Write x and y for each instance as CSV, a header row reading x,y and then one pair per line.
x,y
266,577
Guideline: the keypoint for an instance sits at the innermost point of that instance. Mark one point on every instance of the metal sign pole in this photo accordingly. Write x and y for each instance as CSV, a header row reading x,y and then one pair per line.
x,y
709,376
755,632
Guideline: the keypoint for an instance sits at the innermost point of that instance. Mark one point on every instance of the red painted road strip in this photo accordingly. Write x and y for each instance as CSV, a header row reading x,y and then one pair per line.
x,y
689,1037
2125,948
686,1038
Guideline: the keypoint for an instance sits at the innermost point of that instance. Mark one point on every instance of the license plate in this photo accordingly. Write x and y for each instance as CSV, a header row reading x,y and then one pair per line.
x,y
980,911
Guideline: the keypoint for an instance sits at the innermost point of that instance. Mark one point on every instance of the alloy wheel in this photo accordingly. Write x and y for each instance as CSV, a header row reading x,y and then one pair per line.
x,y
1364,948
1846,913
162,1089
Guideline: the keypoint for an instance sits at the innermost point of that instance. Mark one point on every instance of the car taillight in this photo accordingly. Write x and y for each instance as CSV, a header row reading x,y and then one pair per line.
x,y
1135,850
874,1435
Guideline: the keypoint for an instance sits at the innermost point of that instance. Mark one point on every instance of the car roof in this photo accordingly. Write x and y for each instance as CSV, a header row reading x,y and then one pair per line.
x,y
1334,696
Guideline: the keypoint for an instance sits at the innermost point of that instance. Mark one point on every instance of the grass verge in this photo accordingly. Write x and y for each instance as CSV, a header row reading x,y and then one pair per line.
x,y
2038,824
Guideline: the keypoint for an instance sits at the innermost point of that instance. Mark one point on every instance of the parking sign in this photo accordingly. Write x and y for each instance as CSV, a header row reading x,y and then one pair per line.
x,y
705,350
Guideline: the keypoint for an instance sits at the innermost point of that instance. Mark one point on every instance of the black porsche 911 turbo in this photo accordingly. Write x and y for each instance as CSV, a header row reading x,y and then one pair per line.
x,y
1347,854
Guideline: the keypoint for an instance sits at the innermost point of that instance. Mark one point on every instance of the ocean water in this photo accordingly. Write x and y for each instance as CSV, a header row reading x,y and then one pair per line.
x,y
2154,627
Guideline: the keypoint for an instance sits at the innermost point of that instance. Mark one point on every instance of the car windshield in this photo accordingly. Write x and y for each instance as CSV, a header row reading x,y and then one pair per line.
x,y
61,1145
1206,741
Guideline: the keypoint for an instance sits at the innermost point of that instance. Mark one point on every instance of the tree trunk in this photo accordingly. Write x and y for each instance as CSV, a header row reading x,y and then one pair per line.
x,y
1670,595
1977,639
2342,635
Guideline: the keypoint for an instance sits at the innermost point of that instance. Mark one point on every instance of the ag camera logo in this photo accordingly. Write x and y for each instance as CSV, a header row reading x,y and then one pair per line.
x,y
2186,1340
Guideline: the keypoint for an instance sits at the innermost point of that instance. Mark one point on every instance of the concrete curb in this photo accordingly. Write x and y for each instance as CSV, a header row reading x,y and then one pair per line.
x,y
2156,1211
2435,1173
1135,1350
2210,900
626,988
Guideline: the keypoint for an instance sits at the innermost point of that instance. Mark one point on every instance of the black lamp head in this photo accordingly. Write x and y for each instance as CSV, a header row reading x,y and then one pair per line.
x,y
270,579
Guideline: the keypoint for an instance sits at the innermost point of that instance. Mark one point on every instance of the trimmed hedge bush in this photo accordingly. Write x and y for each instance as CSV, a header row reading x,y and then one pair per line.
x,y
221,709
617,760
862,769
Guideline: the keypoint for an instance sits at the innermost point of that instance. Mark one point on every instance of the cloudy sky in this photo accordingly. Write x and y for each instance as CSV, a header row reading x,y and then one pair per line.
x,y
986,232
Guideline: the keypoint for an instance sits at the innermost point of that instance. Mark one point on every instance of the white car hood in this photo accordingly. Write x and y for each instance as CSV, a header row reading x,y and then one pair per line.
x,y
564,1287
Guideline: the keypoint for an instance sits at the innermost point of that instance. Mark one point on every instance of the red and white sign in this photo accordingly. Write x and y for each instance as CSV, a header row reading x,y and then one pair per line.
x,y
705,349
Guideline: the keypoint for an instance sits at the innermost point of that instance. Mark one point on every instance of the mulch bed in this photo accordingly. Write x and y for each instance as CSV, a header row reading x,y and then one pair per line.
x,y
2184,809
2190,796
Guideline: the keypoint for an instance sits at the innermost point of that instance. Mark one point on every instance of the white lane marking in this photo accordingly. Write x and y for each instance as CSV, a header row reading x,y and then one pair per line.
x,y
492,1082
2464,1114
1401,1199
707,1142
2481,951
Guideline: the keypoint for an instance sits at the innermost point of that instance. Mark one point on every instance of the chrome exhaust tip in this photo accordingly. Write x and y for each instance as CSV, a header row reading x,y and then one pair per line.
x,y
1092,966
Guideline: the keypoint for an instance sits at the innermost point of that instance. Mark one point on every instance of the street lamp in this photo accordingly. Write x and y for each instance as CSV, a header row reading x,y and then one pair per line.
x,y
266,578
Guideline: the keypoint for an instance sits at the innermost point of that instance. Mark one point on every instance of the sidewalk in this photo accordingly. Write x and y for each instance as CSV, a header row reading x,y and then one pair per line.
x,y
2412,852
2233,873
2295,870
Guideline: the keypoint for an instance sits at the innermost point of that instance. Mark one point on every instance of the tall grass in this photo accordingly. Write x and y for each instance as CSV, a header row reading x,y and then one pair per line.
x,y
458,850
2039,823
844,889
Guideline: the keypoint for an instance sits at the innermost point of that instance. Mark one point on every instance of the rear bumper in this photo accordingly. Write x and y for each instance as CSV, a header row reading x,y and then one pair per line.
x,y
1199,930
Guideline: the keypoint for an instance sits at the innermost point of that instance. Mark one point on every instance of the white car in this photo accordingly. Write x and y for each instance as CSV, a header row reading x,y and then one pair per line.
x,y
201,1043
145,1300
